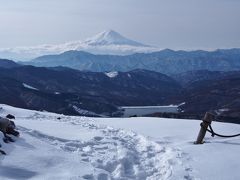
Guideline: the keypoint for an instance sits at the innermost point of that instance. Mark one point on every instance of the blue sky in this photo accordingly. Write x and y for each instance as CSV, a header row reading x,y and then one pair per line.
x,y
177,24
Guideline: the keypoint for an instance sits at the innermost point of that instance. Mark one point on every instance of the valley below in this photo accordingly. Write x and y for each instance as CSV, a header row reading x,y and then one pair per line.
x,y
73,92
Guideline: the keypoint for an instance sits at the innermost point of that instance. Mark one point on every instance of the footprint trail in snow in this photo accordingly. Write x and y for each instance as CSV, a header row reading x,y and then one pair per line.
x,y
118,154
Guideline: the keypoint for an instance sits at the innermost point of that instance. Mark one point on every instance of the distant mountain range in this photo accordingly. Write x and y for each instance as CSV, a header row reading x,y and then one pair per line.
x,y
106,42
210,91
166,61
110,51
8,63
69,91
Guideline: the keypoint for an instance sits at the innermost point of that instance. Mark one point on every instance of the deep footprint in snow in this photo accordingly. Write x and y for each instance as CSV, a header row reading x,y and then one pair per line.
x,y
102,176
98,138
88,177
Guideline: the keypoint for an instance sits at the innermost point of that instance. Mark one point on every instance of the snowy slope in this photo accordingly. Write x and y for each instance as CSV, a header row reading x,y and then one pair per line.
x,y
102,148
106,42
111,37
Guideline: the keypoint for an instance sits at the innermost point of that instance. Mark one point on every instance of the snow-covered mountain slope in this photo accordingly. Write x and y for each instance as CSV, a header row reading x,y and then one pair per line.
x,y
54,146
106,42
111,37
165,61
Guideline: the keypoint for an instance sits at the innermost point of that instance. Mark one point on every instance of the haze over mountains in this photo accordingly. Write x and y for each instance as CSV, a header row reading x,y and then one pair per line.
x,y
106,42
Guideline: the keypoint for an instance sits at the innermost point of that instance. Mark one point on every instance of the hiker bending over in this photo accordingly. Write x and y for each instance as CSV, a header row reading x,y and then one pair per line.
x,y
8,127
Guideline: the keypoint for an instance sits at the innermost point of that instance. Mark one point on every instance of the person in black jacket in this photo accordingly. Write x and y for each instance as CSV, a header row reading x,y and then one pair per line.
x,y
7,127
11,127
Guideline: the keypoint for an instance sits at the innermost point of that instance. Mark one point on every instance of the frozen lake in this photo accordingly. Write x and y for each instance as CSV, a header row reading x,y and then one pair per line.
x,y
144,110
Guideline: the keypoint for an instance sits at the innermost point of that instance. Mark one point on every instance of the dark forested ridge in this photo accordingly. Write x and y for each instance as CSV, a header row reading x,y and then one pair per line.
x,y
97,92
65,90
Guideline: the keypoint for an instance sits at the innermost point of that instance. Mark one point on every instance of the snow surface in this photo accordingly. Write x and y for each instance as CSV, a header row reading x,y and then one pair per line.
x,y
106,42
53,146
110,37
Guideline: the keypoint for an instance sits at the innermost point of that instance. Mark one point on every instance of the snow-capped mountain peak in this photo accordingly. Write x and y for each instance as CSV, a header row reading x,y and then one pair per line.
x,y
111,37
106,42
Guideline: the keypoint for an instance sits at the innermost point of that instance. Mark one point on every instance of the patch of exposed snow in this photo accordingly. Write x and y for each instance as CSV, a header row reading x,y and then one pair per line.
x,y
223,110
29,87
84,112
112,74
181,104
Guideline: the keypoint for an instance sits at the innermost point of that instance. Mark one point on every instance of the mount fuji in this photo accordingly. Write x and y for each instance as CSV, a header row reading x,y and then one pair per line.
x,y
111,37
107,42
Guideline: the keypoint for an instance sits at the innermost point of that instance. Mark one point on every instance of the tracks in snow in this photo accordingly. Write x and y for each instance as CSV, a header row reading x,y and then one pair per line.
x,y
120,154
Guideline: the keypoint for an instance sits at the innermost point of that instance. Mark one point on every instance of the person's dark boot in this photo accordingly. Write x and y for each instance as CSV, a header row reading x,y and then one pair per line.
x,y
10,139
13,132
2,152
5,140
